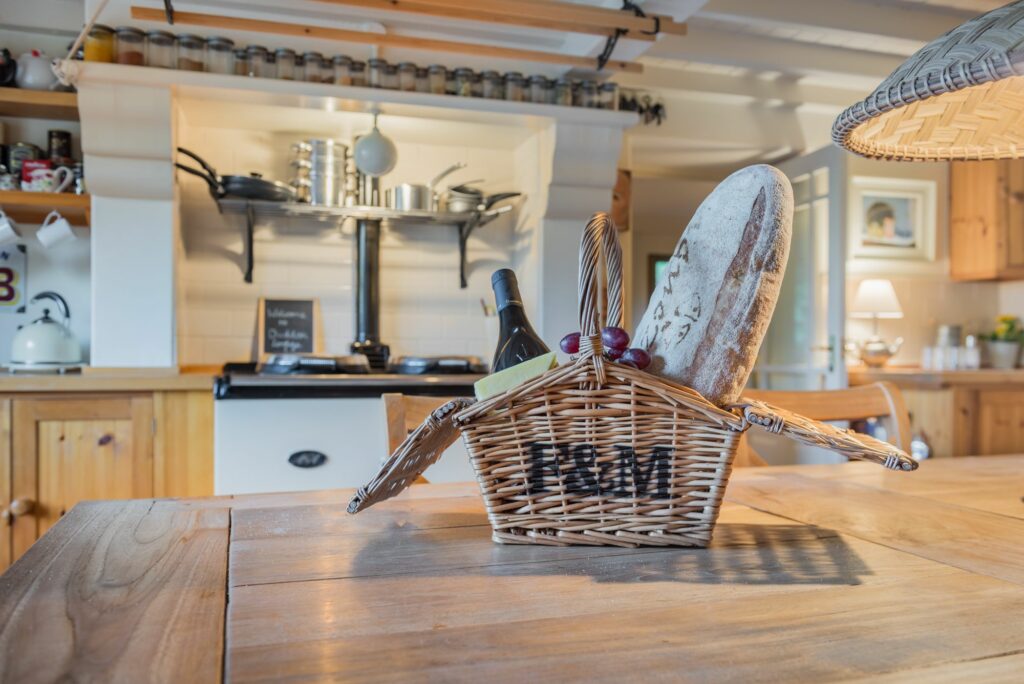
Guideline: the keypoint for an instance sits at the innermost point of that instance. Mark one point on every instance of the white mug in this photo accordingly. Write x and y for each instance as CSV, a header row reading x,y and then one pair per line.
x,y
8,231
49,180
55,230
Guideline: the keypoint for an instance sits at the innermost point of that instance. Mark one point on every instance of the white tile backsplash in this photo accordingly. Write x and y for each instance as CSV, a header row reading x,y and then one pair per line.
x,y
423,311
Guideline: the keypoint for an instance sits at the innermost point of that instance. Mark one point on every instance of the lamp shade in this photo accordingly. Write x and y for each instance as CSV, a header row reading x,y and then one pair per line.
x,y
959,97
875,298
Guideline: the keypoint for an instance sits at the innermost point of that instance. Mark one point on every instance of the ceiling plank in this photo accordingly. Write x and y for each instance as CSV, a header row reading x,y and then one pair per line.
x,y
476,14
380,39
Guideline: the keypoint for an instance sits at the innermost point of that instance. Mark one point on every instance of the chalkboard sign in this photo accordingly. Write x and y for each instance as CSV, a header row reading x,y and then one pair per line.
x,y
289,326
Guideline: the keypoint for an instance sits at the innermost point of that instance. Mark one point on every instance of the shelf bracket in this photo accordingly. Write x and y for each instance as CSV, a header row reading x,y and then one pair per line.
x,y
250,227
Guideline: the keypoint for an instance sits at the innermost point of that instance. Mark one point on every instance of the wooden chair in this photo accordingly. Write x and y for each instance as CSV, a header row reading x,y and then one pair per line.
x,y
405,413
880,400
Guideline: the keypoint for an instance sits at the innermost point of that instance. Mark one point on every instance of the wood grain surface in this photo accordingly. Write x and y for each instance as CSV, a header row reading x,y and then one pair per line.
x,y
816,573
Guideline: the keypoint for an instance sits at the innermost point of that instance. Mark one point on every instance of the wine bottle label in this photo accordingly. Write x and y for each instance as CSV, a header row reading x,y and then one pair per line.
x,y
704,324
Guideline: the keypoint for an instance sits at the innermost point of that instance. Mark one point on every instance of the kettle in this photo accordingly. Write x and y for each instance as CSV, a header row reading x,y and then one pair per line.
x,y
46,343
34,72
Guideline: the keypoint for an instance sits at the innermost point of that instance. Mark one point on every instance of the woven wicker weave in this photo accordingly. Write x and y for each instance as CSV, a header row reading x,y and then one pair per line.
x,y
596,452
953,99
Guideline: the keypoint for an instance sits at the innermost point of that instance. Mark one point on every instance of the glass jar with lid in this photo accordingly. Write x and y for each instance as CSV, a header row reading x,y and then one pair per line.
x,y
241,62
437,76
478,84
326,70
284,64
562,92
540,89
191,52
407,76
608,96
422,80
357,72
588,94
391,77
259,64
464,82
311,66
493,88
99,44
449,82
341,65
376,69
160,49
131,46
514,86
220,55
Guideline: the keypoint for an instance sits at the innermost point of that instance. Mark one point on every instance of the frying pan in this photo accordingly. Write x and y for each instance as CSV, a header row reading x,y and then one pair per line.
x,y
252,187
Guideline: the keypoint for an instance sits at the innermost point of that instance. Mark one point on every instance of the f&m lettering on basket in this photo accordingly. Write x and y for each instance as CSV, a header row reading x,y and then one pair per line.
x,y
578,469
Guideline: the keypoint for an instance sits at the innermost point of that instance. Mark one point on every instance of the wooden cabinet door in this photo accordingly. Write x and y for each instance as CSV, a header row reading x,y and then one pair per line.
x,y
66,450
1000,423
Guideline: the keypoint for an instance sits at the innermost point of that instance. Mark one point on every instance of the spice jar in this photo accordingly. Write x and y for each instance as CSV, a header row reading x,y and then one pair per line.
x,y
391,77
259,64
478,85
422,80
191,52
311,66
375,72
464,82
99,44
561,92
608,97
357,72
284,64
587,94
493,89
131,46
449,81
340,66
241,62
540,89
436,78
160,49
407,76
514,82
220,55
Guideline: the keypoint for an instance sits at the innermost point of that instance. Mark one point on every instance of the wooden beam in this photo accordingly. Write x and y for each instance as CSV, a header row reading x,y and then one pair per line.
x,y
383,40
475,14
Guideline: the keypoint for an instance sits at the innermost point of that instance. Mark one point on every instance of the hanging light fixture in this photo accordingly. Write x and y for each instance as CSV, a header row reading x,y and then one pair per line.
x,y
959,97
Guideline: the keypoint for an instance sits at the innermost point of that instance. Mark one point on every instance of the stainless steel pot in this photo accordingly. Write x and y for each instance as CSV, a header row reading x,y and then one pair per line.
x,y
416,196
323,162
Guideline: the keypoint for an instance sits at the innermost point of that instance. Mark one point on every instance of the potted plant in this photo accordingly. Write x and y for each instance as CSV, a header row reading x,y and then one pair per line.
x,y
1004,342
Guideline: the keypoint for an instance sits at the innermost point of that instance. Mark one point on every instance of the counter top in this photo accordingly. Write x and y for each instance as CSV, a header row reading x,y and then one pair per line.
x,y
906,376
816,573
109,380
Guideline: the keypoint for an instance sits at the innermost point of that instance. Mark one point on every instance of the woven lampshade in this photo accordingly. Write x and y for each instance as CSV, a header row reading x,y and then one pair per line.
x,y
959,97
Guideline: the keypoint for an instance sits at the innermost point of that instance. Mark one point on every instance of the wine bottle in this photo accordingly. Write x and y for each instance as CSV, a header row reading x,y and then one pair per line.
x,y
517,340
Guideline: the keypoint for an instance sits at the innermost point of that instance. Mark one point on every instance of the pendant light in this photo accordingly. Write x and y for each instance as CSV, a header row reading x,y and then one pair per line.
x,y
374,153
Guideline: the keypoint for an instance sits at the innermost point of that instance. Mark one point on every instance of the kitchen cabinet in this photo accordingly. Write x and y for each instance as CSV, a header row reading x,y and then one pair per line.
x,y
57,449
1000,422
987,220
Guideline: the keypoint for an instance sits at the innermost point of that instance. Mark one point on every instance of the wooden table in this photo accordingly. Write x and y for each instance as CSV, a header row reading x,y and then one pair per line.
x,y
817,573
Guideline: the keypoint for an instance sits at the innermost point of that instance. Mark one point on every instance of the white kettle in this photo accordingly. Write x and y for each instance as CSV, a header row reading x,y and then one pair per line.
x,y
45,343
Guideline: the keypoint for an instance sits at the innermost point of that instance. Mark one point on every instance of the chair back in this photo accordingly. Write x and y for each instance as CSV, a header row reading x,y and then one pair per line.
x,y
405,413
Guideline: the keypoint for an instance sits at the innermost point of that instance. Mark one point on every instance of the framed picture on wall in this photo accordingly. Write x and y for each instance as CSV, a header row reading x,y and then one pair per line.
x,y
892,218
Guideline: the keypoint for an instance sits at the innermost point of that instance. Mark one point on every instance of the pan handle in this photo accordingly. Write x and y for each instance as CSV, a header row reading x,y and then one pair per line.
x,y
215,189
202,162
500,197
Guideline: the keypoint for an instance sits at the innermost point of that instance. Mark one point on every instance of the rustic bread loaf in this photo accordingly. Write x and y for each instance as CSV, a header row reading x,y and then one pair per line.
x,y
706,319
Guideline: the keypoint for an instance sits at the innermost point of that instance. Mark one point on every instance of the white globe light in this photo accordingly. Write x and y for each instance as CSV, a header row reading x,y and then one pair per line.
x,y
374,153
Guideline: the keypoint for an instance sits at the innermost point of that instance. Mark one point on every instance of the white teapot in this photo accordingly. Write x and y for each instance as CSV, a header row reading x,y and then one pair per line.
x,y
34,72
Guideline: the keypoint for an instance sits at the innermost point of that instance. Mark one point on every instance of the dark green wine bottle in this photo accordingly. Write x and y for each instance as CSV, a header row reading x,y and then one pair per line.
x,y
517,340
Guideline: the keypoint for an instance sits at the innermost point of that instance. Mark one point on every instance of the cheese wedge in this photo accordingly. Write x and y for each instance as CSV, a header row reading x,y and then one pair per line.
x,y
516,375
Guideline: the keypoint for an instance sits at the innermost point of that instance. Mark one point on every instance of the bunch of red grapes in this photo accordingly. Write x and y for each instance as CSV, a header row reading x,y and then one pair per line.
x,y
616,347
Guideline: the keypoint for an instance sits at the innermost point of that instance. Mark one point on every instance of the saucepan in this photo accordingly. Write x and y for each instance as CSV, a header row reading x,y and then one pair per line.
x,y
253,186
416,196
462,199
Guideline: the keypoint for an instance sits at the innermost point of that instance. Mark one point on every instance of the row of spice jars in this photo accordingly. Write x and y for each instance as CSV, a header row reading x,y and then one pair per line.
x,y
129,45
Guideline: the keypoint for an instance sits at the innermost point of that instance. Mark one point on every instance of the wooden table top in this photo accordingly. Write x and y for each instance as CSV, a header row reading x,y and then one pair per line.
x,y
817,573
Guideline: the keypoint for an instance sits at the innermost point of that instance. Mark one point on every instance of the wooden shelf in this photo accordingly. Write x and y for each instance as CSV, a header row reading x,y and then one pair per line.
x,y
39,104
32,207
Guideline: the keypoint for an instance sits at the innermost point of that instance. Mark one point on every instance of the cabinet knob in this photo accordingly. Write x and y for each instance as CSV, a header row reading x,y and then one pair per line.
x,y
20,507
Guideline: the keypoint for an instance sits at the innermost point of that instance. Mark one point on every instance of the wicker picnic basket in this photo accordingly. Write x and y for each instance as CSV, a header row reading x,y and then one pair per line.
x,y
596,452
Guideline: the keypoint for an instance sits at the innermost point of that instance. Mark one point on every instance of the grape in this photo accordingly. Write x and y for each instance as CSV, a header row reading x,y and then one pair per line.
x,y
613,354
637,357
570,344
626,362
615,338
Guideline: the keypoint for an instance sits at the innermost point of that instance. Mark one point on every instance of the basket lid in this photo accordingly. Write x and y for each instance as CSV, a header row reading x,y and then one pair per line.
x,y
419,451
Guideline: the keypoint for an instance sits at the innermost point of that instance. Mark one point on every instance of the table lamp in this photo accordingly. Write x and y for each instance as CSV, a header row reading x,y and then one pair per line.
x,y
958,98
876,299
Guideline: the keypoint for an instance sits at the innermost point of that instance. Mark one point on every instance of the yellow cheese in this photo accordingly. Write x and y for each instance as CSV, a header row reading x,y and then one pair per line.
x,y
516,375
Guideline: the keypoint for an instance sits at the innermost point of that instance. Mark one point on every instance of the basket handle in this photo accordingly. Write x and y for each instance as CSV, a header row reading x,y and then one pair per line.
x,y
851,444
600,286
